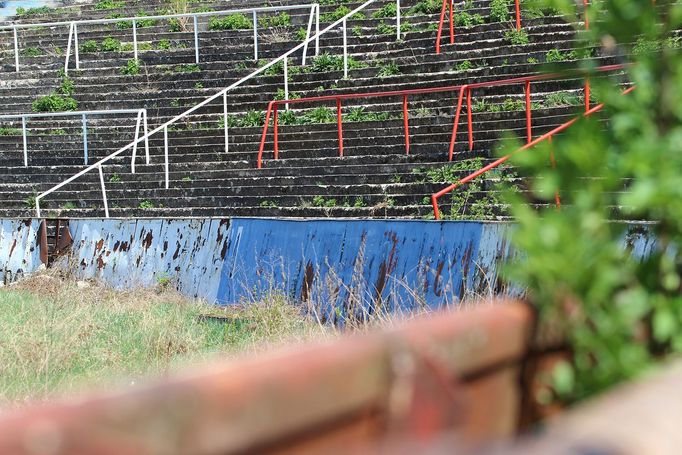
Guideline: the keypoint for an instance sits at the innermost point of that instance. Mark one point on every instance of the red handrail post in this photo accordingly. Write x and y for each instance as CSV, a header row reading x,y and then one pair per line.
x,y
275,132
587,94
339,127
456,124
439,33
587,19
518,15
557,198
452,22
264,135
406,125
434,203
471,126
529,127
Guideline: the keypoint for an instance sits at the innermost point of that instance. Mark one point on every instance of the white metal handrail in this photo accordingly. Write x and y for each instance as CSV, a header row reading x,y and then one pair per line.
x,y
164,127
141,121
73,28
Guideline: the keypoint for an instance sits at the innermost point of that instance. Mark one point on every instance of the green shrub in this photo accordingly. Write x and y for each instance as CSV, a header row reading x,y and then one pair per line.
x,y
499,11
320,115
388,10
32,52
516,37
90,46
388,69
426,7
146,204
230,22
131,68
340,12
4,131
163,44
465,19
34,11
110,44
145,22
561,99
555,55
109,4
54,102
280,20
187,68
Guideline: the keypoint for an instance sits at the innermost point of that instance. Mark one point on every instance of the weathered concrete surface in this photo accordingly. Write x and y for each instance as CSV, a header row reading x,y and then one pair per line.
x,y
19,249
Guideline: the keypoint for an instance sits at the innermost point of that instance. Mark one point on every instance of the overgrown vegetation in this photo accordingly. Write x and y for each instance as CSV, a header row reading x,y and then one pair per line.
x,y
516,37
230,22
618,309
59,101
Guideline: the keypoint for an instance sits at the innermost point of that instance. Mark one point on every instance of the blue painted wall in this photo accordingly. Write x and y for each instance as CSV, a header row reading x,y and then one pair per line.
x,y
19,251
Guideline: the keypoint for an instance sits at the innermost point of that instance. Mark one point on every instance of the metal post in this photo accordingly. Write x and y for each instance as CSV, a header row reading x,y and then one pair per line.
x,y
23,132
255,35
196,39
165,152
75,44
529,128
146,134
452,21
345,51
137,137
225,119
456,124
275,133
397,19
406,125
104,191
286,82
37,207
339,125
317,30
518,14
586,93
68,49
16,50
135,38
471,125
85,139
307,35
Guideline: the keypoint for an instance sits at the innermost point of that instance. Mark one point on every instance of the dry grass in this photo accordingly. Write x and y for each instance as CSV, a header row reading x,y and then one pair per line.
x,y
57,337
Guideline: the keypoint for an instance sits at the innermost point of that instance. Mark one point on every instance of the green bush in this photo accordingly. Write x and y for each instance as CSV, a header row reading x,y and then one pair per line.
x,y
426,7
516,37
110,44
280,20
386,11
188,68
561,99
32,52
465,19
109,4
388,69
555,55
230,22
54,102
131,68
34,11
340,12
499,11
90,46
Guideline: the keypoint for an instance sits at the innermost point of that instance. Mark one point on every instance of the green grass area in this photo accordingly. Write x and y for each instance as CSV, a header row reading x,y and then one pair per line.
x,y
57,338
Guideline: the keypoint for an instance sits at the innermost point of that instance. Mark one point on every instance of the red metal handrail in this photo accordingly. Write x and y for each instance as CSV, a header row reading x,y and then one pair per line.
x,y
449,5
496,163
273,109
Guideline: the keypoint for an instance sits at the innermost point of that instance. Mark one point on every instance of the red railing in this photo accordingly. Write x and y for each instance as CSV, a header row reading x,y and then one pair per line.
x,y
274,105
449,5
547,136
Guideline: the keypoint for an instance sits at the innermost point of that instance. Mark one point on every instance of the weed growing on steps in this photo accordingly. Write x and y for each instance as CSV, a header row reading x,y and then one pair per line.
x,y
465,19
532,60
198,85
32,52
320,201
356,30
131,68
425,7
59,101
388,69
267,204
387,11
516,37
338,13
163,44
187,68
68,206
30,202
109,4
89,46
280,20
230,22
110,44
499,11
146,204
37,11
557,99
4,131
115,178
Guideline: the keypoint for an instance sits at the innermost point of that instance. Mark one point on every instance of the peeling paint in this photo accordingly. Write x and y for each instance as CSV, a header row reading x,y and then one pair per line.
x,y
18,252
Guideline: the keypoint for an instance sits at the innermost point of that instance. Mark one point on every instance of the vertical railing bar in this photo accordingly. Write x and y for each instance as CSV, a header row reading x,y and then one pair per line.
x,y
452,21
137,136
307,35
406,125
471,125
275,132
255,35
68,49
146,134
345,51
529,128
165,154
339,126
397,19
286,82
135,39
104,191
85,139
518,14
196,39
16,50
76,51
456,123
317,30
25,138
225,120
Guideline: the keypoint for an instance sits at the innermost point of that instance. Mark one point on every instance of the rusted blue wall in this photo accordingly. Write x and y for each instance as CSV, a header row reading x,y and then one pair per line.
x,y
19,251
337,267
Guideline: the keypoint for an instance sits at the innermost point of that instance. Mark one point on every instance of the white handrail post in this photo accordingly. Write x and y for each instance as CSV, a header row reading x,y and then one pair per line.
x,y
196,39
75,45
317,31
397,19
85,139
38,206
165,152
307,35
68,49
345,51
146,134
255,35
23,132
135,38
16,49
104,191
286,82
137,137
225,119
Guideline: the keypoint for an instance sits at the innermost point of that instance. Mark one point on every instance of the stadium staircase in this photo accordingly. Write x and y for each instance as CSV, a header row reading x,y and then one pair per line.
x,y
374,178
